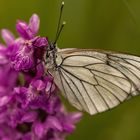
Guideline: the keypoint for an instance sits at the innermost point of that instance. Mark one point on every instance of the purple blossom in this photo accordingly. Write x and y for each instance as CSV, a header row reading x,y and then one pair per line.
x,y
30,108
28,49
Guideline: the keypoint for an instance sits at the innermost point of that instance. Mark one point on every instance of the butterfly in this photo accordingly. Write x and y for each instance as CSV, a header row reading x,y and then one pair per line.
x,y
93,80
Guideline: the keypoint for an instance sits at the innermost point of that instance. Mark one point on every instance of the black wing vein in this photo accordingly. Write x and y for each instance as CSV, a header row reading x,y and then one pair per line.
x,y
72,89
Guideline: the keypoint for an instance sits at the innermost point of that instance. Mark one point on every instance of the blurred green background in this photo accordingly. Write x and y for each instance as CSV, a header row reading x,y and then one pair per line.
x,y
104,24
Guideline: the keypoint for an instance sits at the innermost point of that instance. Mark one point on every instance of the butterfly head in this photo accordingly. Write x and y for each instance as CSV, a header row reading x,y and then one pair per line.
x,y
52,46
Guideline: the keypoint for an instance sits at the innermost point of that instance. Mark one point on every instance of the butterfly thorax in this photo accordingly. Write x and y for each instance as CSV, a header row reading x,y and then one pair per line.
x,y
52,57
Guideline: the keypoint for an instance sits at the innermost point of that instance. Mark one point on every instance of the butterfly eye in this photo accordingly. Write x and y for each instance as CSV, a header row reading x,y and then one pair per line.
x,y
52,46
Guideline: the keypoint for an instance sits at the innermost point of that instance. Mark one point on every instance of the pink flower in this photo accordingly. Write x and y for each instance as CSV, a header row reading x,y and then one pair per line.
x,y
30,107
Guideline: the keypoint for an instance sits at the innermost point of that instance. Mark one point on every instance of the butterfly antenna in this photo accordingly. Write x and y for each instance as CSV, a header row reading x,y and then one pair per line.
x,y
58,26
60,30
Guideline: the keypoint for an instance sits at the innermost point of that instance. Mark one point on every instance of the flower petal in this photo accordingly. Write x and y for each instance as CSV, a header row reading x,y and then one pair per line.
x,y
39,129
69,128
22,29
54,123
34,23
29,117
74,117
7,36
4,100
40,42
38,84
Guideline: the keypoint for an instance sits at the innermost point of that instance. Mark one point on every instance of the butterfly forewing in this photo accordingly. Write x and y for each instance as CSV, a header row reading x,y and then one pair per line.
x,y
95,81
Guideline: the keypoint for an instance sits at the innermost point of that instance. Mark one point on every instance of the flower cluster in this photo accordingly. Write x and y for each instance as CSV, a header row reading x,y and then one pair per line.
x,y
30,108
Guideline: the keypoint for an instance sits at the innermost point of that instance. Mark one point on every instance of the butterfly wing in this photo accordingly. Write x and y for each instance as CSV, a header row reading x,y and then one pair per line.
x,y
96,81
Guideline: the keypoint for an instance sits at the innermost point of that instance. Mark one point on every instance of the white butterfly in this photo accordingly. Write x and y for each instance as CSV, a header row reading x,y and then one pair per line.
x,y
94,81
